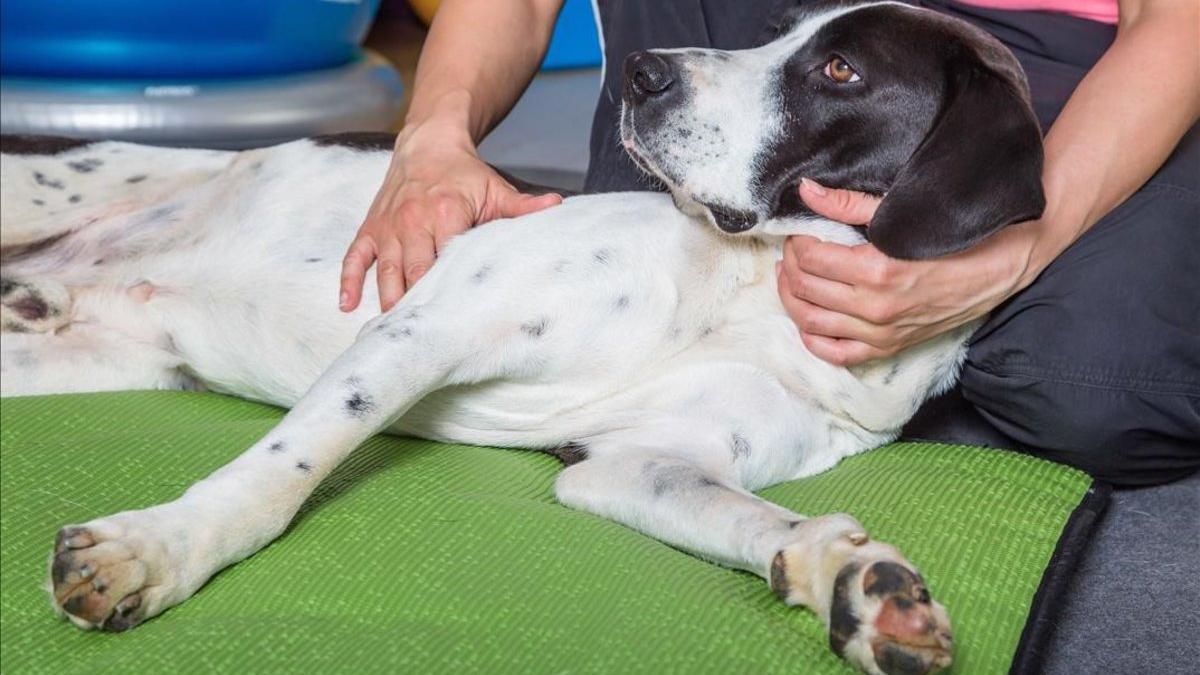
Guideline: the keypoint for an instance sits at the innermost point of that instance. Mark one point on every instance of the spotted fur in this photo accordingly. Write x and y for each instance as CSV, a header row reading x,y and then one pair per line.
x,y
624,330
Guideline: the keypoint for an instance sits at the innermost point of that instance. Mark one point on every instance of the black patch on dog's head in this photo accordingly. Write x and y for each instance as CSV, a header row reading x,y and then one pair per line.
x,y
940,123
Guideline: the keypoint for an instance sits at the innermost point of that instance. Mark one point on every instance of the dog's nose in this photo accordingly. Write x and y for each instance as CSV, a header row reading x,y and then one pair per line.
x,y
648,74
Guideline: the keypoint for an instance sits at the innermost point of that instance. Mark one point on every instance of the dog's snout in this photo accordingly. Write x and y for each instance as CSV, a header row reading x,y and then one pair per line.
x,y
648,74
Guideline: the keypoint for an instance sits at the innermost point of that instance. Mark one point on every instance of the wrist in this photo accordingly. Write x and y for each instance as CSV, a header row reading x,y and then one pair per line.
x,y
1047,238
444,120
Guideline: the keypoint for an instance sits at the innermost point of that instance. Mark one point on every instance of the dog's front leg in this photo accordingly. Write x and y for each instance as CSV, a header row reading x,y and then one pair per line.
x,y
875,605
114,572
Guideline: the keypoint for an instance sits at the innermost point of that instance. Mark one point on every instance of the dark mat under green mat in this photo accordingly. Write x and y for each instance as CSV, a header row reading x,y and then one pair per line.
x,y
418,557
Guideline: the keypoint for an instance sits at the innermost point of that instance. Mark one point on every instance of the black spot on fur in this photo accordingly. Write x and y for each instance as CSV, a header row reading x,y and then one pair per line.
x,y
277,446
166,213
891,374
481,274
895,661
31,308
136,179
570,453
779,582
679,477
739,446
396,334
29,144
602,256
621,303
535,328
86,165
8,286
312,260
41,179
843,623
75,199
793,524
359,405
888,578
38,202
304,466
363,141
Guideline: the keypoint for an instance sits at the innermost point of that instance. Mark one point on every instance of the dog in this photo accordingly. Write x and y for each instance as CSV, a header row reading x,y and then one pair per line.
x,y
637,336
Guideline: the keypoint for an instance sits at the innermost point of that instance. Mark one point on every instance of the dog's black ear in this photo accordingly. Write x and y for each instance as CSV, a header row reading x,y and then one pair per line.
x,y
978,170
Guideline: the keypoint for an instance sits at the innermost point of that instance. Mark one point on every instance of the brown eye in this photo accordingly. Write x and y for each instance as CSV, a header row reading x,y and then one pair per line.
x,y
839,71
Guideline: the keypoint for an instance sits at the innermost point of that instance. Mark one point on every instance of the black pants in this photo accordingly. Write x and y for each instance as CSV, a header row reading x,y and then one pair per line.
x,y
1097,364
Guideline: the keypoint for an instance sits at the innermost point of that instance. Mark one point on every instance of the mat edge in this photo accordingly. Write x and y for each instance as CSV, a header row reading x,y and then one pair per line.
x,y
1030,655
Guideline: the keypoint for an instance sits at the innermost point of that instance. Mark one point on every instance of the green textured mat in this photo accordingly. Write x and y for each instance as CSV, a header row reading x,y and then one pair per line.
x,y
418,557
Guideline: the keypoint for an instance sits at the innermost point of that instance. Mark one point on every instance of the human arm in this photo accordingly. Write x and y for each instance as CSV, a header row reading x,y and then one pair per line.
x,y
477,59
854,304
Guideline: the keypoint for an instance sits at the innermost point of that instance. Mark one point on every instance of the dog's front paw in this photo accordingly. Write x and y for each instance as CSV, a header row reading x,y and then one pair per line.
x,y
112,573
875,604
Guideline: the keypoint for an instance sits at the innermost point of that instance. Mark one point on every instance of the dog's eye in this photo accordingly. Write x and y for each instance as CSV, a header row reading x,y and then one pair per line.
x,y
839,71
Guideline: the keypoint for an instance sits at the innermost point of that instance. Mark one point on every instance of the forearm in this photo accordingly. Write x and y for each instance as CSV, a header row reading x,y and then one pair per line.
x,y
1122,122
477,59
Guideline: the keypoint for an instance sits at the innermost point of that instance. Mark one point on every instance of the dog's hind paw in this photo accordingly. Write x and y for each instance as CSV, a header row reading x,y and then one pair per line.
x,y
107,575
876,606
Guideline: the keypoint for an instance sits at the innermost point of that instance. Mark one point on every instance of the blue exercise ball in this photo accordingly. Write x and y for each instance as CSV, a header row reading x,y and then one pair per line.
x,y
179,38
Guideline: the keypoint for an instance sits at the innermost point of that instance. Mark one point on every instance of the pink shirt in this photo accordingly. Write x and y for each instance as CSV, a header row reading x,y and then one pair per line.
x,y
1104,11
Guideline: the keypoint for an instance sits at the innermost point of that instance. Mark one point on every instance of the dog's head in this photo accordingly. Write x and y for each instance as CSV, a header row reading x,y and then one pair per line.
x,y
880,97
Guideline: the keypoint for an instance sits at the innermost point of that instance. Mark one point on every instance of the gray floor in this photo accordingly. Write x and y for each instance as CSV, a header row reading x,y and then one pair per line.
x,y
1134,604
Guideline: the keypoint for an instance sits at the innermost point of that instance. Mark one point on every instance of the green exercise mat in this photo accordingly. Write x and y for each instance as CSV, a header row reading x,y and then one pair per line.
x,y
416,557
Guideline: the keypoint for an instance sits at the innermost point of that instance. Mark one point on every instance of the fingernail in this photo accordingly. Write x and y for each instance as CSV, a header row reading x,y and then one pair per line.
x,y
344,300
813,187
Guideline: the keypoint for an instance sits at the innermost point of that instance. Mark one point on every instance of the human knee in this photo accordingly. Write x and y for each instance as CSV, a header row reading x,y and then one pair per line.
x,y
1121,436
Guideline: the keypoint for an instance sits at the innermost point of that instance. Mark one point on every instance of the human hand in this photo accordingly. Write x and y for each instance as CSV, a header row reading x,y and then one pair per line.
x,y
436,188
853,303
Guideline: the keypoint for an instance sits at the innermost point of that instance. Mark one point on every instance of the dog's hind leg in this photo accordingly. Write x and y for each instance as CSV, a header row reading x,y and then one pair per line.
x,y
84,359
49,187
876,608
114,572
